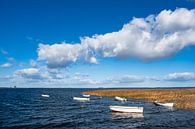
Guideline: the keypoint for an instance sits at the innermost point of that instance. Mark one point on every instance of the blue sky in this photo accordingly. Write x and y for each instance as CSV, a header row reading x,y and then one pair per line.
x,y
84,43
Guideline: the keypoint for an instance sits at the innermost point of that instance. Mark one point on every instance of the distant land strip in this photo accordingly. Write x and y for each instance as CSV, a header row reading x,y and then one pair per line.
x,y
183,98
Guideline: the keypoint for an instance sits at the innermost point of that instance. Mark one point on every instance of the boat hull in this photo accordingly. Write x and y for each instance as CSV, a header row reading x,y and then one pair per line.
x,y
45,96
86,95
81,99
120,99
125,109
164,104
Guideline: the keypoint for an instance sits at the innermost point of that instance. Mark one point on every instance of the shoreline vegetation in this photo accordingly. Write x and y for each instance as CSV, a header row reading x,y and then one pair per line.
x,y
182,98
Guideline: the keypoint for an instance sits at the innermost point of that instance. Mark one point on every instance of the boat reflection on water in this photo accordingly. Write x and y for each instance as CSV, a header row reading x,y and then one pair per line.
x,y
118,115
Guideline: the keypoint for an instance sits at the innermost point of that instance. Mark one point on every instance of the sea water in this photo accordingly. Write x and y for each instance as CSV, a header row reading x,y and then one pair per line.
x,y
26,108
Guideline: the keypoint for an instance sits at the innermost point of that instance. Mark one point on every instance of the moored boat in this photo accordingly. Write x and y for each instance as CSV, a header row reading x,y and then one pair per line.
x,y
163,104
44,95
120,99
81,99
85,95
126,109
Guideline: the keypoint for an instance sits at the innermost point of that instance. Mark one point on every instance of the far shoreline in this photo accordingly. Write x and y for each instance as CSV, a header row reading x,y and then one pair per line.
x,y
96,87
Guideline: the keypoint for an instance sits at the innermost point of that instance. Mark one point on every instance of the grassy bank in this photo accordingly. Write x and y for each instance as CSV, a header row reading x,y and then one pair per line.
x,y
182,98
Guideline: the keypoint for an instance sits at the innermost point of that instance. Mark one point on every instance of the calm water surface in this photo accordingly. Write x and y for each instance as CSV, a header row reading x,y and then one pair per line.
x,y
25,108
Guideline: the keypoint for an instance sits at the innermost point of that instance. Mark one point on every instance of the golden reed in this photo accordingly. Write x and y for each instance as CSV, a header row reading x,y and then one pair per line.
x,y
183,98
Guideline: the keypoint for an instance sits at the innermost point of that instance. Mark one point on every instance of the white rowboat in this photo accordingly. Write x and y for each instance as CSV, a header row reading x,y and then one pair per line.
x,y
126,109
45,95
120,99
84,95
163,104
81,99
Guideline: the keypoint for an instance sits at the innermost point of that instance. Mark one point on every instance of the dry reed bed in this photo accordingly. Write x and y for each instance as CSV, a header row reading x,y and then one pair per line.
x,y
182,98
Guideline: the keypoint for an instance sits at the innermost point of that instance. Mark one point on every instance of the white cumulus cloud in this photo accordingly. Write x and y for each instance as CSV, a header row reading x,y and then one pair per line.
x,y
61,55
154,37
41,74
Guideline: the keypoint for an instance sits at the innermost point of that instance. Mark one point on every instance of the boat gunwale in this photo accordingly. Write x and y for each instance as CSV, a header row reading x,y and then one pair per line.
x,y
126,107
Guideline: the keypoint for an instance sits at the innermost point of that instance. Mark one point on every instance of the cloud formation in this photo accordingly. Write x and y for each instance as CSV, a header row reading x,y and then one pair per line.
x,y
33,63
84,79
39,74
125,79
53,77
30,73
61,55
6,65
154,37
185,76
172,77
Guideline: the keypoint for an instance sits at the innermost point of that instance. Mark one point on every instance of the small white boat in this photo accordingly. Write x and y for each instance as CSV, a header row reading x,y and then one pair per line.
x,y
120,99
43,95
126,109
84,95
81,99
163,104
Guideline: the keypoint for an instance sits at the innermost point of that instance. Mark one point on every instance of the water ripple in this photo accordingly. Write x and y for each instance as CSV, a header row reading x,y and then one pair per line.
x,y
25,108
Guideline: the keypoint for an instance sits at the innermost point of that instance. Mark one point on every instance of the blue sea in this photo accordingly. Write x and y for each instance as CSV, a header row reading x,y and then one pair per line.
x,y
22,108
